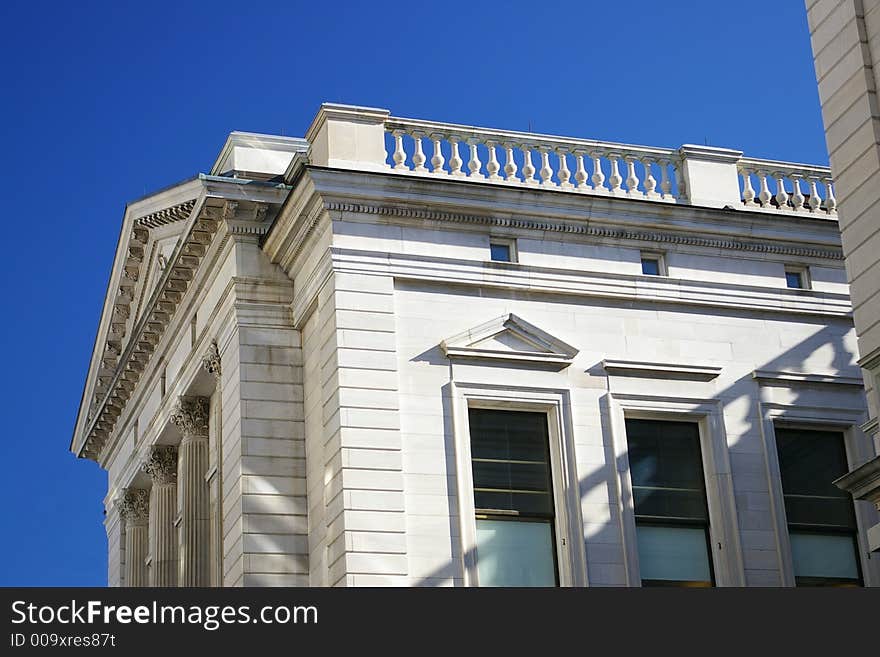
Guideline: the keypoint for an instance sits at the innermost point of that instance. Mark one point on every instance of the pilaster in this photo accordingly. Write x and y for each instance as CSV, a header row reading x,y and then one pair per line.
x,y
191,418
161,465
265,534
365,502
134,509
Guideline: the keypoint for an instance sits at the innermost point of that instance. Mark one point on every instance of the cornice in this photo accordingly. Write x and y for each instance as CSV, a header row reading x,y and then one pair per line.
x,y
585,229
660,370
863,482
772,377
554,280
129,364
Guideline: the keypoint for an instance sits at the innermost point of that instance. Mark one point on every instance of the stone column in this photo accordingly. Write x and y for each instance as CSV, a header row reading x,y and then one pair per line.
x,y
162,468
134,508
212,365
191,418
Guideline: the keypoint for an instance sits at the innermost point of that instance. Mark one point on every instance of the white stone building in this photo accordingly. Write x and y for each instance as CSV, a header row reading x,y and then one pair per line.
x,y
846,44
401,352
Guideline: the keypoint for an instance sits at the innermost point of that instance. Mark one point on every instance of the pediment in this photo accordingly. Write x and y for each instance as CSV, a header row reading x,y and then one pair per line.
x,y
509,338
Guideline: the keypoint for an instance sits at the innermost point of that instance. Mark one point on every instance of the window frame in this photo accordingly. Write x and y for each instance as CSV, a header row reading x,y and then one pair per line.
x,y
510,243
844,420
659,256
567,520
658,521
804,272
725,549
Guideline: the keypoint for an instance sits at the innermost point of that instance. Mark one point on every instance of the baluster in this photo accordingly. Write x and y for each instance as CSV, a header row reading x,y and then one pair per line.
x,y
437,160
598,177
781,194
797,198
546,172
679,178
650,182
418,157
632,180
830,201
509,164
528,169
764,195
455,160
748,190
399,154
815,200
580,175
614,180
665,182
492,166
563,172
474,164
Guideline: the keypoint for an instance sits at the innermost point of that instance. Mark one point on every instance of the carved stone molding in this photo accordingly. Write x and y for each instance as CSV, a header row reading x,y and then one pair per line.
x,y
244,224
585,229
134,506
211,360
190,415
161,464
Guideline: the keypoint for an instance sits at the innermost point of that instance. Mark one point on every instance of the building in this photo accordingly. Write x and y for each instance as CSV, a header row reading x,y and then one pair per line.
x,y
845,36
403,352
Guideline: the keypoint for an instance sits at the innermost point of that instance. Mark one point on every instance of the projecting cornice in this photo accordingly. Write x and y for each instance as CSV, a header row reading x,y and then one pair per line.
x,y
584,229
117,364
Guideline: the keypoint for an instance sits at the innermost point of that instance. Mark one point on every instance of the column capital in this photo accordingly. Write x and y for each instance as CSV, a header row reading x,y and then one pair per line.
x,y
211,360
190,415
134,506
161,464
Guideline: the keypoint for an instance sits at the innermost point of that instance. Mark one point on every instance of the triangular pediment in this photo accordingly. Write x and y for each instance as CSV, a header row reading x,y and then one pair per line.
x,y
509,338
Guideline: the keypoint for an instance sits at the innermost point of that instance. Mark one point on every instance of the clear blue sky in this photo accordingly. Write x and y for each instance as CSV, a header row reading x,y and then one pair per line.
x,y
104,101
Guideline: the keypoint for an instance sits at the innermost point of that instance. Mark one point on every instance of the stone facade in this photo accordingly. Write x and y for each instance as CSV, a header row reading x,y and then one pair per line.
x,y
845,36
303,332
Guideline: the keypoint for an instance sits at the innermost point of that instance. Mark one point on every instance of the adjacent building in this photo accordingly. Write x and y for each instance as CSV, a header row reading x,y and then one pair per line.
x,y
405,352
845,36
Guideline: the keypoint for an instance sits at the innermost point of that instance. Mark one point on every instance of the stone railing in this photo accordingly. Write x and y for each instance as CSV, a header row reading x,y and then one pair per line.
x,y
527,159
783,186
370,139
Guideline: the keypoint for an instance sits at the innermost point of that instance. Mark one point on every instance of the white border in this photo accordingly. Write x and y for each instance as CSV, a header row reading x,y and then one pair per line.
x,y
571,558
845,420
724,534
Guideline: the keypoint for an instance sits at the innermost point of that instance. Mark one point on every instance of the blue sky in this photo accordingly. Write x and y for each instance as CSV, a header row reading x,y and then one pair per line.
x,y
104,102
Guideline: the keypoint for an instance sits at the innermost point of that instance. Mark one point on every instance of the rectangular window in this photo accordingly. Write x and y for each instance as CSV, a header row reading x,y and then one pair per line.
x,y
669,499
797,278
513,498
821,518
502,251
652,264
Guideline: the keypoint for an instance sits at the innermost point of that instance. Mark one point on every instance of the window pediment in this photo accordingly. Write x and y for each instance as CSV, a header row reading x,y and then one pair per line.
x,y
509,338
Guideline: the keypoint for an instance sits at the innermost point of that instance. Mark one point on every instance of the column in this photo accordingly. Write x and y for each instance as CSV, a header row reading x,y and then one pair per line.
x,y
161,465
212,365
191,418
134,508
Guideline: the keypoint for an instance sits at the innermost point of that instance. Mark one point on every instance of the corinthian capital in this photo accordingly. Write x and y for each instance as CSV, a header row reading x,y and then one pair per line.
x,y
134,506
191,416
161,464
211,360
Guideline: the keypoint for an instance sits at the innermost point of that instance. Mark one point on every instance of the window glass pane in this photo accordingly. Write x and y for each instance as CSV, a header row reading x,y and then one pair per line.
x,y
651,266
677,554
794,279
511,461
666,469
511,553
500,252
824,555
809,462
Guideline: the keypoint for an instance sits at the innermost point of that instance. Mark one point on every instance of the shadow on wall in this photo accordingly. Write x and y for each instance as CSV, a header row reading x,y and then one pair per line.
x,y
793,358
